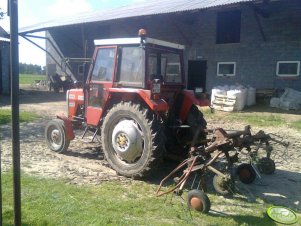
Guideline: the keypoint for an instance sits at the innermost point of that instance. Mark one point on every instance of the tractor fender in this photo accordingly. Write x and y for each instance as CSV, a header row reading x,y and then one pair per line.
x,y
68,126
155,105
189,100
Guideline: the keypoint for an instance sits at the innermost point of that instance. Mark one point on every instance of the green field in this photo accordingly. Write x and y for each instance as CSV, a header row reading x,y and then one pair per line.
x,y
28,79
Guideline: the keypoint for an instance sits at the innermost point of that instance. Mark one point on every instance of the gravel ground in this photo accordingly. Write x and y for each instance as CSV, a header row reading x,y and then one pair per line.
x,y
84,163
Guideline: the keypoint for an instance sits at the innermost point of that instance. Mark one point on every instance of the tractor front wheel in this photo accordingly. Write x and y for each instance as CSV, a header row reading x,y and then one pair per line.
x,y
55,135
132,139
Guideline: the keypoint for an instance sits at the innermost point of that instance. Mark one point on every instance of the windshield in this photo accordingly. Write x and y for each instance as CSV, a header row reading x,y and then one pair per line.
x,y
165,65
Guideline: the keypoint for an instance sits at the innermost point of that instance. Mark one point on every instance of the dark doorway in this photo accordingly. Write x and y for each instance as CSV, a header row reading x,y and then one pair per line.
x,y
197,74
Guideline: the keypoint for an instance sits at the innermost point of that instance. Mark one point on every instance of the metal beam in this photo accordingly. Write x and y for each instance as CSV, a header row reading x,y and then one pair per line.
x,y
26,36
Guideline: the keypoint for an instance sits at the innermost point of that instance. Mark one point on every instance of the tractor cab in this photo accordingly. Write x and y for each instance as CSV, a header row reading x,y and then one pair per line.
x,y
124,69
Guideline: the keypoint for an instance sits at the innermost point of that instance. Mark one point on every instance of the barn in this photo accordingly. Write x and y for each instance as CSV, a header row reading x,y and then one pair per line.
x,y
4,62
250,42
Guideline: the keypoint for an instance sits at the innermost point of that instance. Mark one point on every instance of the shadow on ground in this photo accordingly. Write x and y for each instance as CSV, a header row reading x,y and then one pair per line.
x,y
34,97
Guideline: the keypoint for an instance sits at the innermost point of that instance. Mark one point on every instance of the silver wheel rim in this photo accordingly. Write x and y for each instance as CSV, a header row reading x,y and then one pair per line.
x,y
128,141
55,137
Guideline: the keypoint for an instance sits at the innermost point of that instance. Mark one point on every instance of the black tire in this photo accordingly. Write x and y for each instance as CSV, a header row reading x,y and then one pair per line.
x,y
246,173
55,135
266,166
198,200
223,186
152,148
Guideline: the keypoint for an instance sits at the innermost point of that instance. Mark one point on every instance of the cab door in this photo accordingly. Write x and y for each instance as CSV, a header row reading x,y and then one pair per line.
x,y
100,80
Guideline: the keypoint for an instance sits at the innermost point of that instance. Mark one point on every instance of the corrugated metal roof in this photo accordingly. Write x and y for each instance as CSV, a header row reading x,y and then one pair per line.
x,y
154,7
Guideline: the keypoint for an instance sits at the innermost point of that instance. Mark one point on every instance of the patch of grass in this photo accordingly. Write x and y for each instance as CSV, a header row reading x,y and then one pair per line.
x,y
28,79
258,119
253,119
5,116
296,125
53,202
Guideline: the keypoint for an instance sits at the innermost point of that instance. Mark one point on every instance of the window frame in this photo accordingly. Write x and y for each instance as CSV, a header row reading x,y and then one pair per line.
x,y
228,75
288,75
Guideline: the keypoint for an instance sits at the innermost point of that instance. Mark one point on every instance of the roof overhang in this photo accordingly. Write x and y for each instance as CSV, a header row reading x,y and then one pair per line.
x,y
155,7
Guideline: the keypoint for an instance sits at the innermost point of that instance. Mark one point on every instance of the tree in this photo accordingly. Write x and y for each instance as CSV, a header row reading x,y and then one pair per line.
x,y
32,69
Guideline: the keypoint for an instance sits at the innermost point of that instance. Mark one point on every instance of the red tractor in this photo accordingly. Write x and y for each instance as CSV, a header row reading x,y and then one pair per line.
x,y
134,99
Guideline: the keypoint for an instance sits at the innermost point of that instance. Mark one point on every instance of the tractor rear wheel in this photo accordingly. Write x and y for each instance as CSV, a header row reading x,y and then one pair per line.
x,y
55,134
132,140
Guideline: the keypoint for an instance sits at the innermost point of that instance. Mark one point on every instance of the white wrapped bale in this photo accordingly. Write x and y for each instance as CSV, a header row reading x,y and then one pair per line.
x,y
217,91
290,100
240,95
251,96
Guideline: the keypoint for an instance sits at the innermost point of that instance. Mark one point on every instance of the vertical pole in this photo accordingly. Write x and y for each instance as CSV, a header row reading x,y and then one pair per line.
x,y
0,188
14,70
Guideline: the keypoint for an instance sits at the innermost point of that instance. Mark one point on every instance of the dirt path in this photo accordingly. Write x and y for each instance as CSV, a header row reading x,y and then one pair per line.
x,y
84,163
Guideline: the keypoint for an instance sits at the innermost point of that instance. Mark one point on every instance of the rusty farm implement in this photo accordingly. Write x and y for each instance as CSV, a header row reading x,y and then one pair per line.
x,y
206,156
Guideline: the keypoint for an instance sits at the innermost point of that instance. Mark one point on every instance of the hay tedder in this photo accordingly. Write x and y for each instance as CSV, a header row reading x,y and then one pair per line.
x,y
206,156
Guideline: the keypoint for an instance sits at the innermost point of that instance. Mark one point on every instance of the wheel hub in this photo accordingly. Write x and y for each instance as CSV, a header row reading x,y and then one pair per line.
x,y
122,140
127,140
244,174
55,136
196,203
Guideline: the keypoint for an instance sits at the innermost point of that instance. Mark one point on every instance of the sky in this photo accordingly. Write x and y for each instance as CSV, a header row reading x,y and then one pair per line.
x,y
37,11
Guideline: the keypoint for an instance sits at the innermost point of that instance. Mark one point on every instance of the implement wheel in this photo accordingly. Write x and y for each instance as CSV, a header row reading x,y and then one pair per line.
x,y
266,166
55,135
223,185
198,200
246,173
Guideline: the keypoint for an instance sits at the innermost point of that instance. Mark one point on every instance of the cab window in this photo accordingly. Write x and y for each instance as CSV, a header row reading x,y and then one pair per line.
x,y
132,66
104,65
166,66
